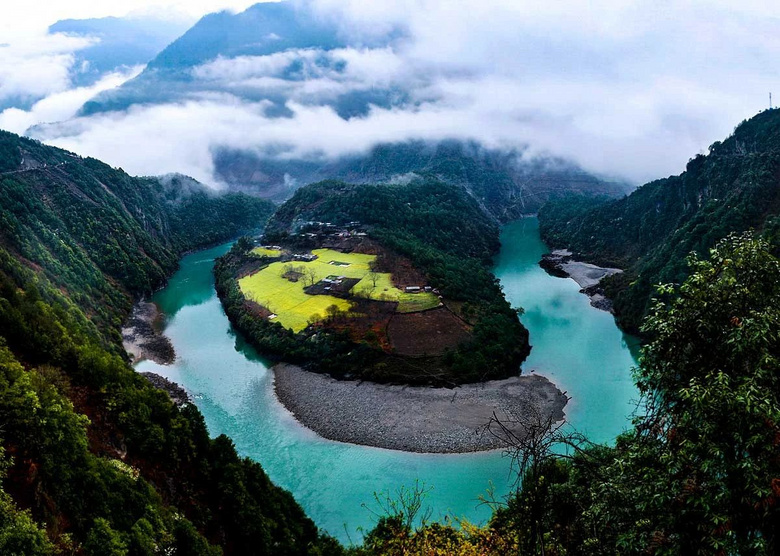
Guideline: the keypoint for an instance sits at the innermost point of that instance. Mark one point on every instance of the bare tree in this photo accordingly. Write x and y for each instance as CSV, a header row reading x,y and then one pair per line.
x,y
532,438
401,514
309,276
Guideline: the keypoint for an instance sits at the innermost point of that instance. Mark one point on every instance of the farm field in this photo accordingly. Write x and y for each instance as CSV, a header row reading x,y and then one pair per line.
x,y
428,333
295,308
414,302
265,252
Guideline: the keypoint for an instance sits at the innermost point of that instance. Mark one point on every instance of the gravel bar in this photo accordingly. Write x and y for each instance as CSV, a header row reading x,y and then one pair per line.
x,y
588,276
412,418
142,339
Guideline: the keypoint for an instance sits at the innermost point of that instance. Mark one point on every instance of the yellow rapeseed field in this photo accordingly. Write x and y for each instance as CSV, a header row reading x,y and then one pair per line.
x,y
295,309
265,252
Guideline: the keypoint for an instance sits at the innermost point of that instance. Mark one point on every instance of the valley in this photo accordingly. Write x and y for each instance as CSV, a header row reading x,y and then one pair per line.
x,y
336,278
233,386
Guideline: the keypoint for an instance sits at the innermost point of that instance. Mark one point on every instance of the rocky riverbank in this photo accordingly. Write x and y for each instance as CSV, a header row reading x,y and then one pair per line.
x,y
414,419
178,395
141,337
588,276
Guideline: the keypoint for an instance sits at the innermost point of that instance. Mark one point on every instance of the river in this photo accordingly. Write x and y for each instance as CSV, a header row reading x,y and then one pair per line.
x,y
576,346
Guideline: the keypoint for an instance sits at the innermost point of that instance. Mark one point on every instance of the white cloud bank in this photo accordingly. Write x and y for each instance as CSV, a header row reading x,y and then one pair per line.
x,y
629,89
61,105
36,66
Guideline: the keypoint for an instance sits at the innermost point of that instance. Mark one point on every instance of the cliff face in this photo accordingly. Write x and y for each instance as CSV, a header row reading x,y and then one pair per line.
x,y
649,233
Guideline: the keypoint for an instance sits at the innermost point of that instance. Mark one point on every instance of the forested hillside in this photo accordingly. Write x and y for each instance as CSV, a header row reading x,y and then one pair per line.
x,y
650,232
105,463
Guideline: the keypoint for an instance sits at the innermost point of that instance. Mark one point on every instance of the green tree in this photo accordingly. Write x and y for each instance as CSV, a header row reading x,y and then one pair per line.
x,y
699,473
104,541
20,535
711,379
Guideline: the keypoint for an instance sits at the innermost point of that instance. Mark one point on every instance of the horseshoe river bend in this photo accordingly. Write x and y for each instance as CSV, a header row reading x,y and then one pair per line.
x,y
576,346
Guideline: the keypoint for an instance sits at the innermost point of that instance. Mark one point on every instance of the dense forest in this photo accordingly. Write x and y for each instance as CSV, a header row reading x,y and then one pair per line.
x,y
736,187
95,460
442,231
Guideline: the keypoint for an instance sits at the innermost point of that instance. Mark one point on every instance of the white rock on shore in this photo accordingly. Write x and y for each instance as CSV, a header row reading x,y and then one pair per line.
x,y
586,274
141,338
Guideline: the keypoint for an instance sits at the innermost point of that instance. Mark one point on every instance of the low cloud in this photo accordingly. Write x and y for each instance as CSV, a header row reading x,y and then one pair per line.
x,y
60,106
310,76
625,89
34,67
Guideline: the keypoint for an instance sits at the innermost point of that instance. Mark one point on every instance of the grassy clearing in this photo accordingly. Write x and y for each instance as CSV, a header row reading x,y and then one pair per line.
x,y
414,302
264,252
295,309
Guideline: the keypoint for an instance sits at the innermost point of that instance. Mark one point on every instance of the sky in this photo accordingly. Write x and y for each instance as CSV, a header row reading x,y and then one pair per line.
x,y
625,89
31,17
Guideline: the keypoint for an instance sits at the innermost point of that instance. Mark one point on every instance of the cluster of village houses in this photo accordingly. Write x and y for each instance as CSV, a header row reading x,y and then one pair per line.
x,y
419,289
314,229
328,229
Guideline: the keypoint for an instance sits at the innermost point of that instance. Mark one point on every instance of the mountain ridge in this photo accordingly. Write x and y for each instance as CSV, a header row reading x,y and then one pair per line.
x,y
650,232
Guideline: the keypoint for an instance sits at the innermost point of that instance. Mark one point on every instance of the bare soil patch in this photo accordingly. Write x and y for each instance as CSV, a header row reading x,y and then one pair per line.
x,y
426,333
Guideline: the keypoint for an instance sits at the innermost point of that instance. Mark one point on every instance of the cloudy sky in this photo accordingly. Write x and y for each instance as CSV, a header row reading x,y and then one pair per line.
x,y
629,89
34,16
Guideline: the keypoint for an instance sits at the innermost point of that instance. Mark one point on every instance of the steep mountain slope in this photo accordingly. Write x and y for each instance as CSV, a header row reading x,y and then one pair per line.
x,y
504,183
103,460
650,233
90,228
120,42
262,30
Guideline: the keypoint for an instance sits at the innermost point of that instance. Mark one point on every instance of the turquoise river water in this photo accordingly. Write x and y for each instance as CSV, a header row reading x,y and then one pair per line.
x,y
576,346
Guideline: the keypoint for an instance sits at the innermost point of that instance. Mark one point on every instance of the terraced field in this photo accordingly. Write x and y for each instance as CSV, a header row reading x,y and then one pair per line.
x,y
295,309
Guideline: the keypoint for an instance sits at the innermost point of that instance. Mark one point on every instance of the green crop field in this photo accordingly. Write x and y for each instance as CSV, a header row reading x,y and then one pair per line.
x,y
295,308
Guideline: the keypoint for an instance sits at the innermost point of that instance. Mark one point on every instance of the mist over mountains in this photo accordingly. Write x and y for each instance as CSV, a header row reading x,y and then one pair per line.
x,y
281,93
116,43
74,61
